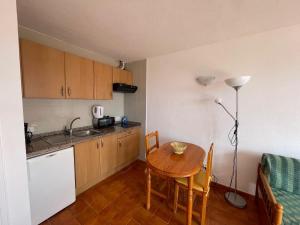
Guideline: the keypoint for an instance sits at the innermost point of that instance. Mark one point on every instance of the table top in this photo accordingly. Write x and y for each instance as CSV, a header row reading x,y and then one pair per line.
x,y
167,163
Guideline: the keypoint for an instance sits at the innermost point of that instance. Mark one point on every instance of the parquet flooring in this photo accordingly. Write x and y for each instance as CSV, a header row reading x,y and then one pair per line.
x,y
120,200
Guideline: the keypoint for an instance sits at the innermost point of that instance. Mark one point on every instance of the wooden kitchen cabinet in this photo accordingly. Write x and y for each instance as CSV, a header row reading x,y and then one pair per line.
x,y
51,73
122,76
128,146
108,153
99,158
103,81
43,72
87,164
79,77
135,145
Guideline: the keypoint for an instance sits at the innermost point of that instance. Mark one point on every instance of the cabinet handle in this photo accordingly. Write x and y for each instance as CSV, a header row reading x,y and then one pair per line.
x,y
120,144
101,143
97,145
62,90
48,156
69,91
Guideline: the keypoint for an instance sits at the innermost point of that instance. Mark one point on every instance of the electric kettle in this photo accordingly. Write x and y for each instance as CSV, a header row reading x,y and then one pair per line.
x,y
98,111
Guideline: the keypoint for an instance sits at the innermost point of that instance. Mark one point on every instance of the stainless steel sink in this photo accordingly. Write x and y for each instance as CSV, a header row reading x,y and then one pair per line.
x,y
85,133
57,139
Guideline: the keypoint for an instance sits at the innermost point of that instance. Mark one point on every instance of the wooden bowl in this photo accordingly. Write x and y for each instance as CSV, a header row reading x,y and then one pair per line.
x,y
178,147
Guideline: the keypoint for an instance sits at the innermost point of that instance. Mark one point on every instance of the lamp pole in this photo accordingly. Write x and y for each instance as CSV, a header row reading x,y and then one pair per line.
x,y
233,197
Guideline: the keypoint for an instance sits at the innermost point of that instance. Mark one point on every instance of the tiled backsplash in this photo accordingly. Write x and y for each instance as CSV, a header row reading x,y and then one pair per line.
x,y
49,115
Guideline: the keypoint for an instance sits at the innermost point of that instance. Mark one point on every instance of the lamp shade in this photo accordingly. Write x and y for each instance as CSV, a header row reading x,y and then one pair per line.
x,y
237,82
218,100
205,80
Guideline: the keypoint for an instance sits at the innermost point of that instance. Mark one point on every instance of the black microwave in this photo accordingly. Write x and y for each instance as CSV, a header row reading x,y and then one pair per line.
x,y
106,121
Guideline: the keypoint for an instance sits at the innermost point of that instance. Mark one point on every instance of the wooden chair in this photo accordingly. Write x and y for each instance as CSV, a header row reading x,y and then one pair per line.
x,y
148,139
201,187
149,148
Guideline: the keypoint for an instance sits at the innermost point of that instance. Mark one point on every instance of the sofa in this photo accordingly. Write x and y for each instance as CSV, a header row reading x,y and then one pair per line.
x,y
278,190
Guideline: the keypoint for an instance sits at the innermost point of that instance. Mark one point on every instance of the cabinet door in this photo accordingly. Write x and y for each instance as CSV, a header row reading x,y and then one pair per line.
x,y
81,164
108,155
87,162
122,76
128,148
103,81
123,151
43,74
116,75
79,77
127,77
135,140
94,170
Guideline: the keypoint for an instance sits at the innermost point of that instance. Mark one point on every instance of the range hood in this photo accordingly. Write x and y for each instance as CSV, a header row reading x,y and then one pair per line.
x,y
124,88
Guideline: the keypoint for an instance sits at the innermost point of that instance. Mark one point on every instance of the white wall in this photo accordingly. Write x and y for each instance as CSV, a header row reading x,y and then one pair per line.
x,y
14,197
135,104
51,115
269,106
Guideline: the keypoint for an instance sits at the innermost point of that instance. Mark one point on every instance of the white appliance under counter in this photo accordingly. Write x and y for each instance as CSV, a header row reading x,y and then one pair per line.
x,y
51,183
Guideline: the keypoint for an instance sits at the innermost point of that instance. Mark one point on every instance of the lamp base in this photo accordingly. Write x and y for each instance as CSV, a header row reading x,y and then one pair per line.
x,y
235,200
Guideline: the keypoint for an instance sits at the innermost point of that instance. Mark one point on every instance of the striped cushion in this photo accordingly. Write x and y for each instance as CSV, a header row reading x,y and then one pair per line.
x,y
291,206
282,172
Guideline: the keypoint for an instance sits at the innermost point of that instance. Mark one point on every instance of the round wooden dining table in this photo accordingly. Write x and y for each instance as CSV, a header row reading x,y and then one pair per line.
x,y
166,163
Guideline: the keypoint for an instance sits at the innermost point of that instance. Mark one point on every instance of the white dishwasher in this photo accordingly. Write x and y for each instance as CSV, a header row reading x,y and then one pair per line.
x,y
51,183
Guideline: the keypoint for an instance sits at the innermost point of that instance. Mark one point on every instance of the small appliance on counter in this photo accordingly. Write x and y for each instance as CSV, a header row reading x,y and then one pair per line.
x,y
118,119
106,121
99,120
98,111
28,134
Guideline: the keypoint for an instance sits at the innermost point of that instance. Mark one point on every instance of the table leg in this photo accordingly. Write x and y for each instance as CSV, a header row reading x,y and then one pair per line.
x,y
148,188
190,200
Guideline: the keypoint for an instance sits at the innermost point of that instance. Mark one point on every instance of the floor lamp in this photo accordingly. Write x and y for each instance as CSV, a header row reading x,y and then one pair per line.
x,y
232,196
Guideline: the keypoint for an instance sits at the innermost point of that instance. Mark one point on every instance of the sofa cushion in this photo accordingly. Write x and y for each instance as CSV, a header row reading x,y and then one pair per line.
x,y
282,172
291,206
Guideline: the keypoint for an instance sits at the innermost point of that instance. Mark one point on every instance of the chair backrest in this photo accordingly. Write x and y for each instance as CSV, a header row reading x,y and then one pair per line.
x,y
149,140
208,172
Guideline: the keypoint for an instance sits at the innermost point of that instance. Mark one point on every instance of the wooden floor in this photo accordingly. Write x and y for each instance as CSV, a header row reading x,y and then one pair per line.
x,y
121,200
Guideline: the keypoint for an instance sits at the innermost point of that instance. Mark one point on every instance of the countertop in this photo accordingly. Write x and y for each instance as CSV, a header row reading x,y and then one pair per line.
x,y
51,142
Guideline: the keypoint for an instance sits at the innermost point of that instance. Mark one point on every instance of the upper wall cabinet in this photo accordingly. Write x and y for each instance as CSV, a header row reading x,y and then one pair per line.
x,y
51,73
122,76
103,81
79,77
43,73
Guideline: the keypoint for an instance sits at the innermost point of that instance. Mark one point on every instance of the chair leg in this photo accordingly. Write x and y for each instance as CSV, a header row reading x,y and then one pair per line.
x,y
176,191
190,201
204,203
148,189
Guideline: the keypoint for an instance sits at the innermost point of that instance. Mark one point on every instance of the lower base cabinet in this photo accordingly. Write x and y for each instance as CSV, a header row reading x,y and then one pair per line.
x,y
101,157
87,164
108,155
128,148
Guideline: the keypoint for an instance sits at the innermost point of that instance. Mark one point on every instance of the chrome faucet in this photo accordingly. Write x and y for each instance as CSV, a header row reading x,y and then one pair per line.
x,y
70,131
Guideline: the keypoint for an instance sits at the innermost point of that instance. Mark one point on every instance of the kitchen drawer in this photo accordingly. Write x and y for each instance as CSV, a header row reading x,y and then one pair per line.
x,y
128,131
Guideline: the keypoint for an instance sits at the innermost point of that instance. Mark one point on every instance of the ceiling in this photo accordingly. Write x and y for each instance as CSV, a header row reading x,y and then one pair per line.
x,y
138,29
